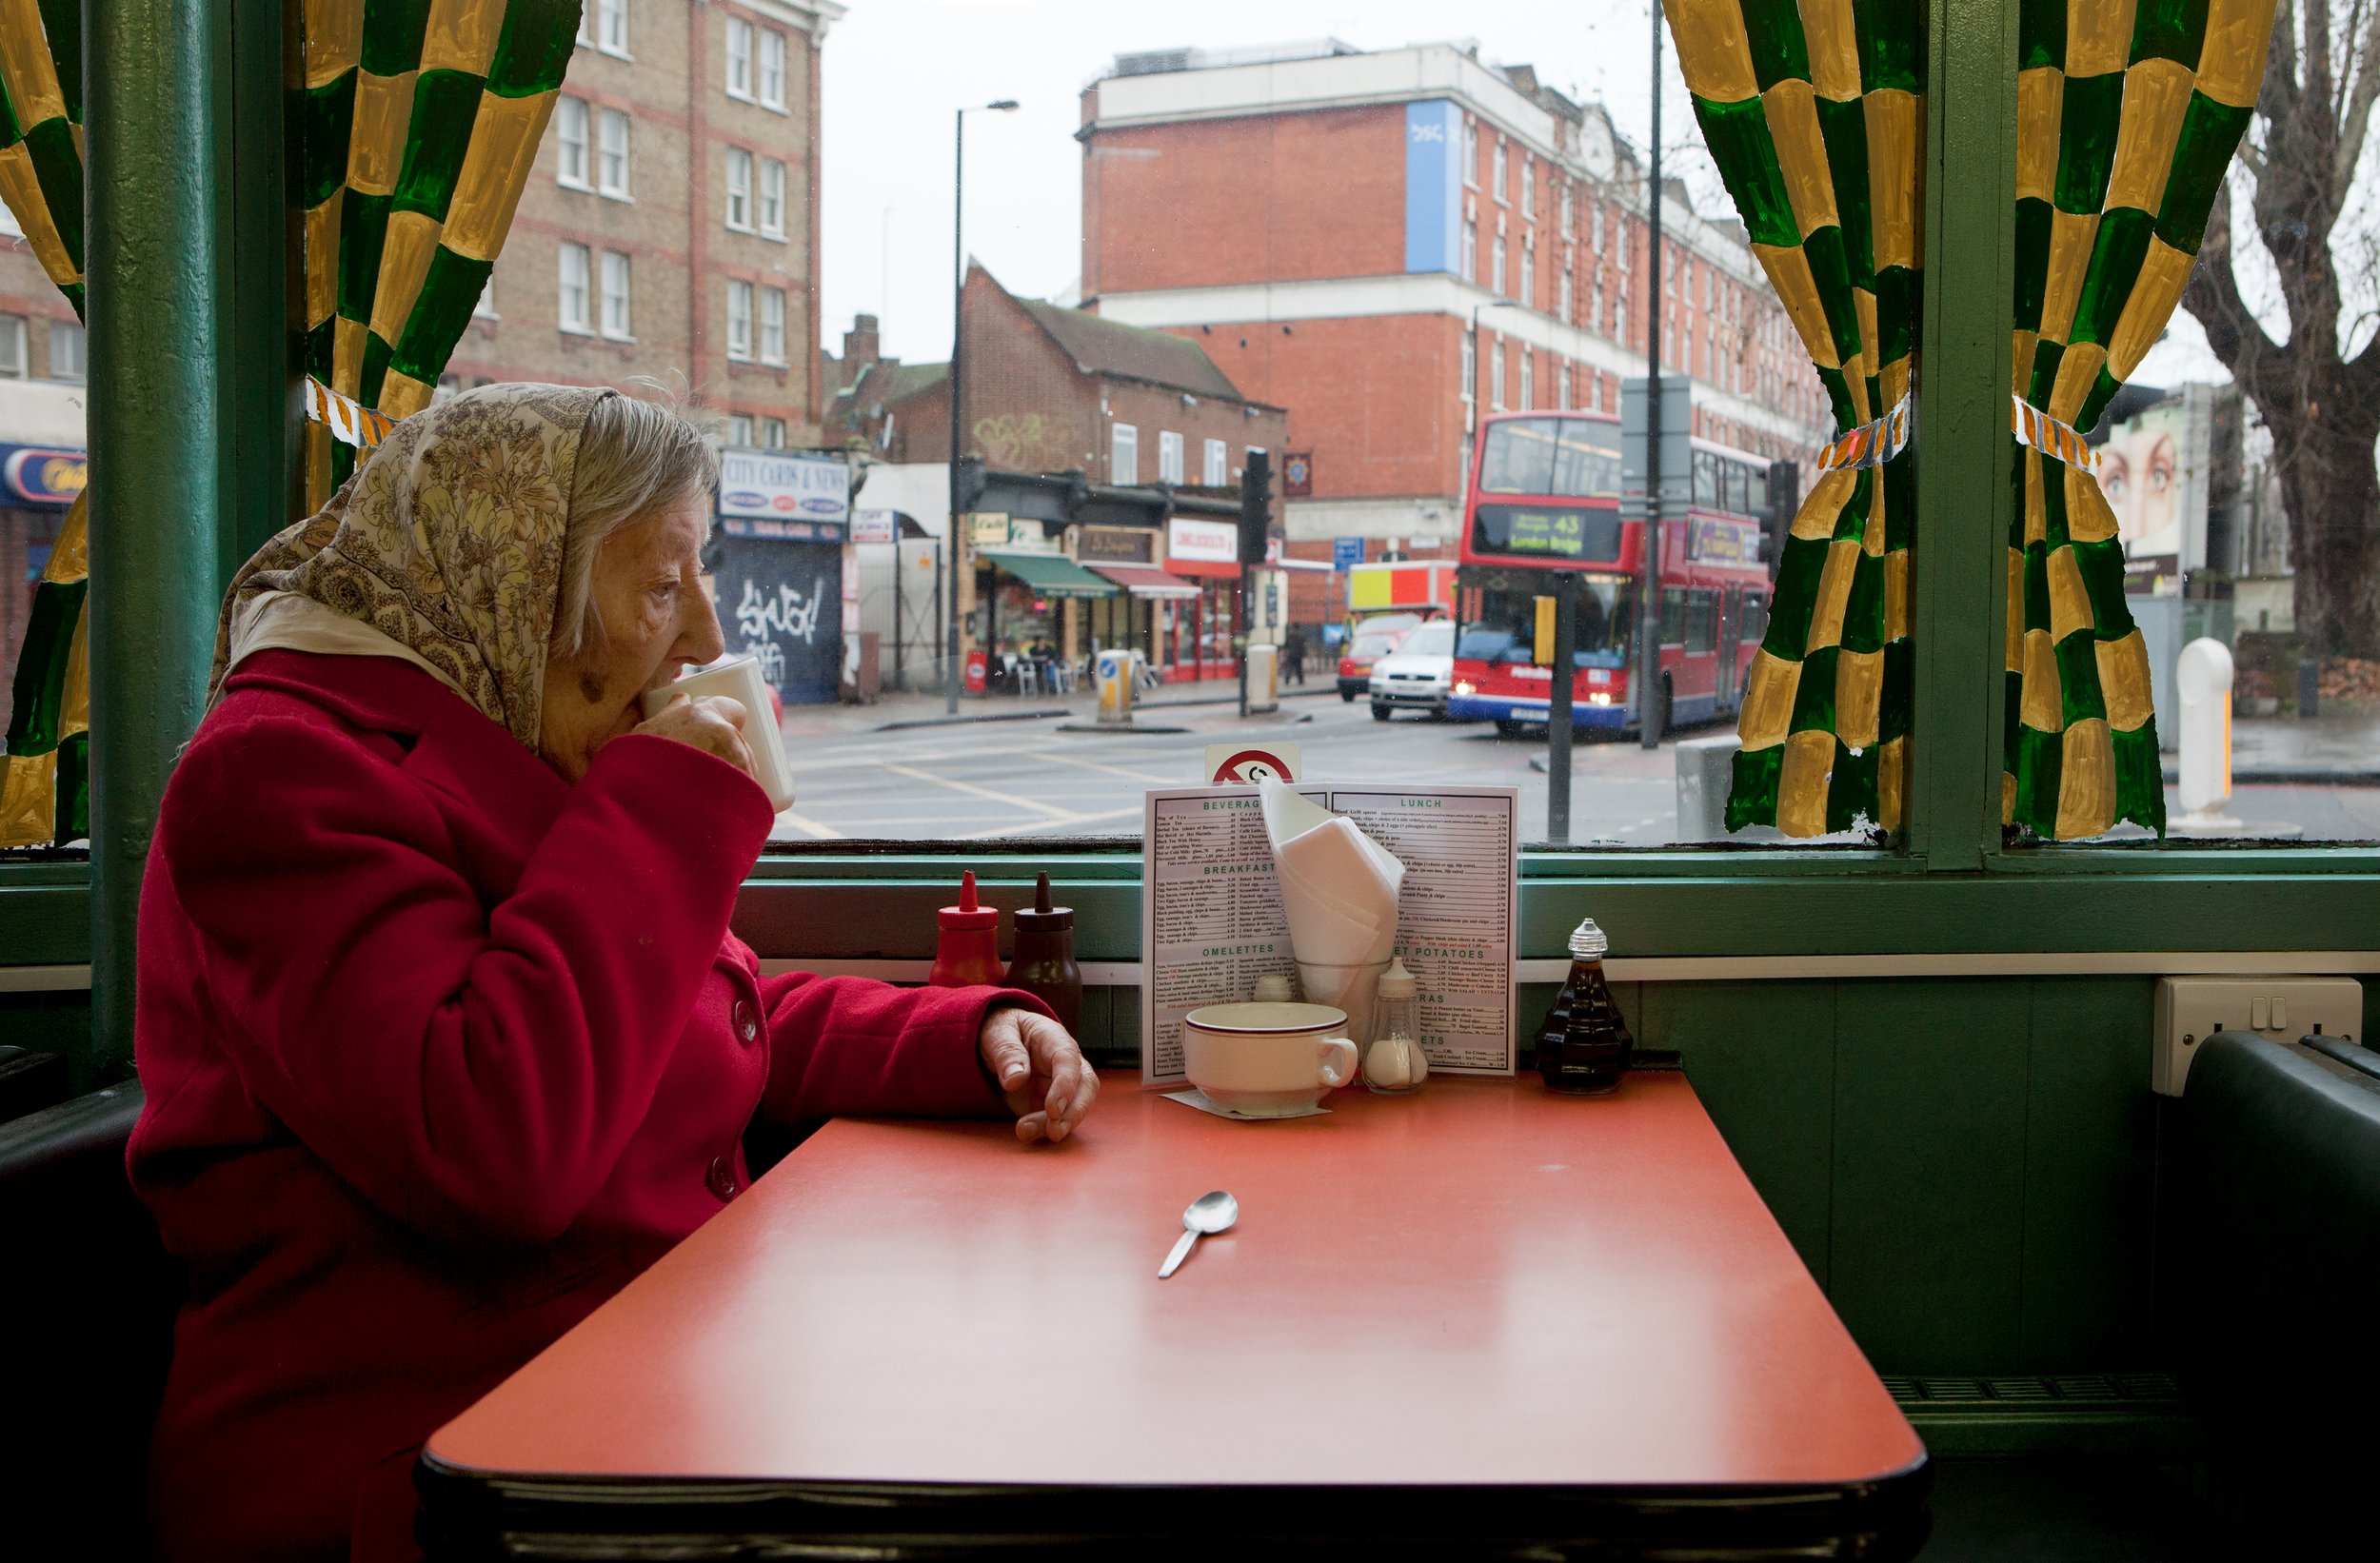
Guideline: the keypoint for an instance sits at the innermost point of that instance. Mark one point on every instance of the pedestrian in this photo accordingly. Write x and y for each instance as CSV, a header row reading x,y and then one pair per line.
x,y
1293,653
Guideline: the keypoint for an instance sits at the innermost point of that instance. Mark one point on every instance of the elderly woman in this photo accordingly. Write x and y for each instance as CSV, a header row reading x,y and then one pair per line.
x,y
444,1033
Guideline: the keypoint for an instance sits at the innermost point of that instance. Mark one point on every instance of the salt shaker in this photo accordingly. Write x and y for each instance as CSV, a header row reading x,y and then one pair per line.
x,y
1394,1064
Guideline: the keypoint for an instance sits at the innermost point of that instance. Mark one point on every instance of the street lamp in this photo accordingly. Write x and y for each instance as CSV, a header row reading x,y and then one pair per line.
x,y
958,319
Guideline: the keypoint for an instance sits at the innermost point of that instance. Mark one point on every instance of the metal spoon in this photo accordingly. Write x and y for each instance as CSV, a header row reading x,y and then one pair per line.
x,y
1208,1212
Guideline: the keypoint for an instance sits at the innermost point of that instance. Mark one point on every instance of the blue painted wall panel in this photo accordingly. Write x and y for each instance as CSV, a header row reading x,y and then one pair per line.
x,y
1433,184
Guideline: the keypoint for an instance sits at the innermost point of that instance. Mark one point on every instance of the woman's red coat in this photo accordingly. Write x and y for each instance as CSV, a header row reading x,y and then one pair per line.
x,y
440,1051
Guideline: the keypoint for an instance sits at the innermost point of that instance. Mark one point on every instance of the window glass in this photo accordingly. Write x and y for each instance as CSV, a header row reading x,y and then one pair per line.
x,y
612,158
615,294
739,188
772,434
1168,457
611,21
1216,472
13,363
570,141
65,350
740,429
739,58
773,69
1123,454
1573,457
572,304
738,319
772,198
772,326
1435,638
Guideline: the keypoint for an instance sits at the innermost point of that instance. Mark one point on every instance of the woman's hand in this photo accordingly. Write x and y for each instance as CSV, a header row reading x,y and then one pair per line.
x,y
713,724
1041,1071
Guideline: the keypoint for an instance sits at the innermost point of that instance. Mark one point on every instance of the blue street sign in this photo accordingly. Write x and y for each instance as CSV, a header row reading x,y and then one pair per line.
x,y
1347,551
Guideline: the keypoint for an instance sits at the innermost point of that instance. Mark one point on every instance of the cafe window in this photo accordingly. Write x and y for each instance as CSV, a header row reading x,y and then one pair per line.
x,y
572,304
1123,454
616,295
1216,472
612,158
772,198
570,143
772,326
772,70
738,319
15,364
739,189
1168,456
739,58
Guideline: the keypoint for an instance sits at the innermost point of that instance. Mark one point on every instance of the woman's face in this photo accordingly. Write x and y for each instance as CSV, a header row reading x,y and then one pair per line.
x,y
2137,474
655,612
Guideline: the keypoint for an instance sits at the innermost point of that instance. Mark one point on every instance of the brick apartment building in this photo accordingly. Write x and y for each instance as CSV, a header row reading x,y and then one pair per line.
x,y
1325,223
1051,389
41,431
670,229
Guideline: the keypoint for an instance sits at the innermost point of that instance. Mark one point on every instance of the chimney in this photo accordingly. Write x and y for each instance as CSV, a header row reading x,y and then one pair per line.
x,y
860,347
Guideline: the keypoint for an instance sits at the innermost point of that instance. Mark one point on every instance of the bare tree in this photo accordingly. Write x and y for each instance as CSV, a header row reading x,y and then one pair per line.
x,y
2297,168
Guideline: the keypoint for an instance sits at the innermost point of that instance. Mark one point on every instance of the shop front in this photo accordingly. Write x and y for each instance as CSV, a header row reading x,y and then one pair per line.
x,y
1127,556
1194,634
778,569
37,484
1022,600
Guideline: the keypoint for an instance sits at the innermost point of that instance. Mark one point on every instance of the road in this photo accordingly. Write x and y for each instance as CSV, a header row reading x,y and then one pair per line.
x,y
977,780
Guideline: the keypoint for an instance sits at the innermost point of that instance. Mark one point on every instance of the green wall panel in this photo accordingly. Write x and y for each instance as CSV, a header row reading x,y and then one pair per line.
x,y
2089,1176
1924,1259
1761,1056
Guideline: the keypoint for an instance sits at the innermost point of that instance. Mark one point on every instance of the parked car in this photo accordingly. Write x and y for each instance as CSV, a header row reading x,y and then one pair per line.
x,y
1374,638
1415,676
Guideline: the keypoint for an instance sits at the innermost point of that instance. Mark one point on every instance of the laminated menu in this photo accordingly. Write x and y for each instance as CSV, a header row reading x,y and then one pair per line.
x,y
1212,922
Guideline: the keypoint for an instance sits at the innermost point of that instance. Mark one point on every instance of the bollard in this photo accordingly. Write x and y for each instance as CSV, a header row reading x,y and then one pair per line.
x,y
2309,687
2203,679
1705,767
1113,673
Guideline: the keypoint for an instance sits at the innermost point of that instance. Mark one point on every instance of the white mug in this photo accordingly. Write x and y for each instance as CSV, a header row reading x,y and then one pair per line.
x,y
741,679
1267,1059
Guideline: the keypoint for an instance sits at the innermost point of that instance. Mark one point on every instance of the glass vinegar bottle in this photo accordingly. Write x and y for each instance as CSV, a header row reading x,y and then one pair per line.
x,y
1584,1047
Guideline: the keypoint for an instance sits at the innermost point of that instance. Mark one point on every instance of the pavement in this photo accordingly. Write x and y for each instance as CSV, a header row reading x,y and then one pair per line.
x,y
2342,748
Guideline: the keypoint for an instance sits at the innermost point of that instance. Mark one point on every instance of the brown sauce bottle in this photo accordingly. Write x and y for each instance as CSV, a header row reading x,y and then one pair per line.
x,y
1044,964
1584,1047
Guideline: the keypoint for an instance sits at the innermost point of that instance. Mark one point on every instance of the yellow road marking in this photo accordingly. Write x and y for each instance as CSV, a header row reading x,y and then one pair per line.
x,y
817,831
1007,799
1111,770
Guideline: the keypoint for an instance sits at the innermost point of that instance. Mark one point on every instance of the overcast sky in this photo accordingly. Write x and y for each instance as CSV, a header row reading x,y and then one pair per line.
x,y
894,71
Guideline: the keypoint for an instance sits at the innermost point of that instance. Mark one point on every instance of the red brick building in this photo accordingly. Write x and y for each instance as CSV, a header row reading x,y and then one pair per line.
x,y
1329,224
1050,390
670,229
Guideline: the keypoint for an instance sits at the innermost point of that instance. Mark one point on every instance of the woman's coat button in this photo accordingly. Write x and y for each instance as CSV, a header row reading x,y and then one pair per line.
x,y
747,1024
722,1178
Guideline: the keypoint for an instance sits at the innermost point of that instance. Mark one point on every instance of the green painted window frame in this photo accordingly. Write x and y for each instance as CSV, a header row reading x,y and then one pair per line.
x,y
1951,889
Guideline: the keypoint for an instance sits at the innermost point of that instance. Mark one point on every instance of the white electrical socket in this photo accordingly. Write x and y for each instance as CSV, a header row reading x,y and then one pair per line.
x,y
2190,1009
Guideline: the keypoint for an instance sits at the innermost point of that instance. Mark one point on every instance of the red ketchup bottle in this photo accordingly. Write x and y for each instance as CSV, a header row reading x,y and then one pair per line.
x,y
966,953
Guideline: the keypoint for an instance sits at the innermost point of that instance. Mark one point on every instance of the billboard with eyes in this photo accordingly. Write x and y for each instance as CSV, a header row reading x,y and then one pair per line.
x,y
2153,471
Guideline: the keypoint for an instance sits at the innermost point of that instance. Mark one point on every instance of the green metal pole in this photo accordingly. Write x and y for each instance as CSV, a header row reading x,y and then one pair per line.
x,y
159,329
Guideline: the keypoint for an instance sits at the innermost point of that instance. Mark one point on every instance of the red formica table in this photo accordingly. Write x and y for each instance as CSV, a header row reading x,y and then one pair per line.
x,y
1480,1321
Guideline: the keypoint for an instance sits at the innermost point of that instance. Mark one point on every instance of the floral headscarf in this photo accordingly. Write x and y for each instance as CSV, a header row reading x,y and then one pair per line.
x,y
448,540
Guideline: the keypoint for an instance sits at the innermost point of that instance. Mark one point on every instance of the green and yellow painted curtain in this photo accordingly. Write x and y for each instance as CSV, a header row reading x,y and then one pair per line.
x,y
416,126
2127,115
1815,114
44,776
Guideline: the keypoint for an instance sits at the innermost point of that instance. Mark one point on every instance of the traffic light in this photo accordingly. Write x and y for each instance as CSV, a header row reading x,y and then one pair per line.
x,y
1256,506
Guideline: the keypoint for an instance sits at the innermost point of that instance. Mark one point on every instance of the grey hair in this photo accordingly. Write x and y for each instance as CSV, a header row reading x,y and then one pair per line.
x,y
634,456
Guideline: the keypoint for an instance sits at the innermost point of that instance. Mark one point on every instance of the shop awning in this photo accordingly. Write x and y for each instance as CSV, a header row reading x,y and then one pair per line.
x,y
1144,580
1051,575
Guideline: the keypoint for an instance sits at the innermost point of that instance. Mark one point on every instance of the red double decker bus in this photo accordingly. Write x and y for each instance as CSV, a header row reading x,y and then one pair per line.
x,y
1544,496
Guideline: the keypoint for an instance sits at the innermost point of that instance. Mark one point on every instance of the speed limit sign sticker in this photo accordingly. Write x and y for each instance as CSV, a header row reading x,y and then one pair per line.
x,y
1228,762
